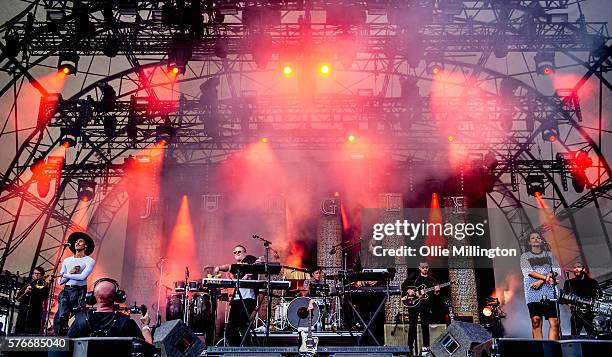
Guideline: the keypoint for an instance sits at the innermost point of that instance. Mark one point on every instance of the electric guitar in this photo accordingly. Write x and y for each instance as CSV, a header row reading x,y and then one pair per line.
x,y
309,342
420,294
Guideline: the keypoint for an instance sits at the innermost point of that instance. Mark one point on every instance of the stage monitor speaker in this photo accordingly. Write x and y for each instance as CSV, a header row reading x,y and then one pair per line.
x,y
175,339
397,335
525,347
111,346
459,338
585,348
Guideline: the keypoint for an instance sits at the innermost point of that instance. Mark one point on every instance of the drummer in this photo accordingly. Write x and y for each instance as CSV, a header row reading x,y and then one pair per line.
x,y
316,277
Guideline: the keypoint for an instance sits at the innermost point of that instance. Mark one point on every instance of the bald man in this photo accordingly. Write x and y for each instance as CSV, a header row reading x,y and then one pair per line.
x,y
106,321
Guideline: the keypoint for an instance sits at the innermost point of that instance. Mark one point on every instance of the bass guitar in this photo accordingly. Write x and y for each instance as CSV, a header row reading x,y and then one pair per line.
x,y
420,293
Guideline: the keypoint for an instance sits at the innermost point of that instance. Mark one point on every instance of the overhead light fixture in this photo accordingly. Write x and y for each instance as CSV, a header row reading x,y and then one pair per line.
x,y
179,56
434,64
111,46
287,70
69,137
68,63
261,50
87,190
165,133
535,184
550,130
324,69
346,49
221,48
545,63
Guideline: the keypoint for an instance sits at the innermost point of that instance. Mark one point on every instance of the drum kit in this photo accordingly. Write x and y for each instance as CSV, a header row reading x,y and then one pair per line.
x,y
291,313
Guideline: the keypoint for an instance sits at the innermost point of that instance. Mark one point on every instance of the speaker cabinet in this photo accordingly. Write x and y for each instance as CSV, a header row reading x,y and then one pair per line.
x,y
175,339
399,336
458,339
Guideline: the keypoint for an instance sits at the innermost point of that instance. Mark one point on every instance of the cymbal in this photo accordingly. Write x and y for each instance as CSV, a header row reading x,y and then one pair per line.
x,y
303,270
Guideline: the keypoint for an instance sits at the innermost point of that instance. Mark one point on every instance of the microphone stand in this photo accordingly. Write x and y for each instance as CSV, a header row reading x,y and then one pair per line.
x,y
52,289
344,247
545,246
159,287
267,244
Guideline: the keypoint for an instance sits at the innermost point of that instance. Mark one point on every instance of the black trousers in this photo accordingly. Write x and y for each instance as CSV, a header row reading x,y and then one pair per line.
x,y
238,321
423,310
70,300
582,319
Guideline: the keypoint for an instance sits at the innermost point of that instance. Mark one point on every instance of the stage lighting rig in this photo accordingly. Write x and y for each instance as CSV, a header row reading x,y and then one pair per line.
x,y
434,65
491,317
545,63
47,109
165,133
578,163
111,47
68,63
550,130
261,50
69,137
87,190
179,56
346,49
535,184
221,48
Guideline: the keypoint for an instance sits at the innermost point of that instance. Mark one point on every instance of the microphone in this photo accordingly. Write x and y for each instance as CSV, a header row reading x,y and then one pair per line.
x,y
66,244
187,271
255,236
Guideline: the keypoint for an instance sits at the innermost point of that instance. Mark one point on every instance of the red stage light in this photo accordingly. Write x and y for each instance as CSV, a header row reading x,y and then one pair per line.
x,y
287,71
450,138
264,139
65,70
547,70
551,138
487,311
336,194
175,70
435,70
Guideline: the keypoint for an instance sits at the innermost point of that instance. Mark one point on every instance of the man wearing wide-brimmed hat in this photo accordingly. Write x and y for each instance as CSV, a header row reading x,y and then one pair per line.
x,y
74,273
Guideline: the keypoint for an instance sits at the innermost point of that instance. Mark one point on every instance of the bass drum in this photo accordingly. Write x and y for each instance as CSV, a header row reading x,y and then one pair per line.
x,y
200,312
297,313
175,307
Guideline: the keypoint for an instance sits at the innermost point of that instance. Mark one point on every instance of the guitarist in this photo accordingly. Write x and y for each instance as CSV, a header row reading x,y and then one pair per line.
x,y
423,309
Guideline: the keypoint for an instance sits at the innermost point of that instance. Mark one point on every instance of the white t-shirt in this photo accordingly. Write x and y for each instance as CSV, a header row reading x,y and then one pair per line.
x,y
86,263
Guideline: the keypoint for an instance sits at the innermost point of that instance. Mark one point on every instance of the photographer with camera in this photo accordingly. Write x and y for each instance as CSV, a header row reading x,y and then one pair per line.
x,y
106,320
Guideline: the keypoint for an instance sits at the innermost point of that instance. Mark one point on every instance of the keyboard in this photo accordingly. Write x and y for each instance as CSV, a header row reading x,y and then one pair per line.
x,y
393,290
247,284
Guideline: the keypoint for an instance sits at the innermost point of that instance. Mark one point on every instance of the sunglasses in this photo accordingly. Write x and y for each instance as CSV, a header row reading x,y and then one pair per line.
x,y
238,252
